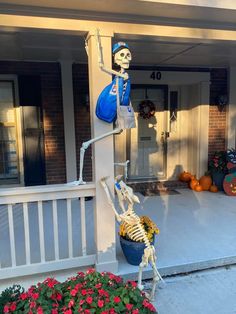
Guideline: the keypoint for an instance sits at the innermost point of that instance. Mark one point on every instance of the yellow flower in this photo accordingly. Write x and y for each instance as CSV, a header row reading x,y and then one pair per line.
x,y
149,226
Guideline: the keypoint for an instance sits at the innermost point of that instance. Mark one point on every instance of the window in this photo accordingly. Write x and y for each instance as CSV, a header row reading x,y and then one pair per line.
x,y
9,158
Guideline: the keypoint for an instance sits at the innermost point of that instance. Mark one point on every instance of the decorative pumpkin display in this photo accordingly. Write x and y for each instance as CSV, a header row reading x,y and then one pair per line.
x,y
185,176
213,188
205,182
229,184
193,183
198,188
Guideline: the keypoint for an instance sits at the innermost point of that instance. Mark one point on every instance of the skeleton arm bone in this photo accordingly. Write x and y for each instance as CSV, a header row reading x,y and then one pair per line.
x,y
105,187
120,195
101,62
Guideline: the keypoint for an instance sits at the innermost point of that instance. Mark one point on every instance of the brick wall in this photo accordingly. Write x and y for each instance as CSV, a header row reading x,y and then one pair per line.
x,y
52,113
217,118
82,117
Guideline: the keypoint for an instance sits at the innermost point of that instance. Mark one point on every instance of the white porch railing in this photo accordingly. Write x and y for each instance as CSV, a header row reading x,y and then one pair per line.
x,y
43,229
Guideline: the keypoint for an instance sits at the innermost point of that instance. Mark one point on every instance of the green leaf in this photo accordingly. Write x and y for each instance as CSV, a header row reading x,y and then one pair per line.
x,y
126,300
49,293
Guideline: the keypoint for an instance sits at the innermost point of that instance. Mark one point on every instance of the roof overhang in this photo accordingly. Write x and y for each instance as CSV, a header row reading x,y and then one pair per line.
x,y
199,12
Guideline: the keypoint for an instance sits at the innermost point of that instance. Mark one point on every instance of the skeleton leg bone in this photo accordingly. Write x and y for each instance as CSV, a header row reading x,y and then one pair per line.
x,y
156,278
85,145
144,263
156,275
149,257
125,165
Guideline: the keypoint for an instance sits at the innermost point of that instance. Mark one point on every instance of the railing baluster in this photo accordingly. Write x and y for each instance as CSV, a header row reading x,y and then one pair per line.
x,y
69,226
56,195
12,235
83,226
41,231
26,229
55,229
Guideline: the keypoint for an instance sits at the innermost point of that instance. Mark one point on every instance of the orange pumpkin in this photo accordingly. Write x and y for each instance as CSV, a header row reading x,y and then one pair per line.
x,y
205,182
213,188
185,176
193,183
198,188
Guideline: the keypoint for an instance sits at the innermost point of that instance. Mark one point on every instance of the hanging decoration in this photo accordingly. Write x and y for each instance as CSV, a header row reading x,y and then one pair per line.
x,y
147,109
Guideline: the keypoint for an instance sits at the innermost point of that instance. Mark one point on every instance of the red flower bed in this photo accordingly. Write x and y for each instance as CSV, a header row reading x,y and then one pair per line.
x,y
90,292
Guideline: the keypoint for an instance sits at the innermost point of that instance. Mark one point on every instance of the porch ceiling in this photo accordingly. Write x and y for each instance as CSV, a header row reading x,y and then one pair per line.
x,y
200,11
36,46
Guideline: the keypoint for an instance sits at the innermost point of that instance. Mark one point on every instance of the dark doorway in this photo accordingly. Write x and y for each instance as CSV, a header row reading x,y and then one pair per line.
x,y
32,126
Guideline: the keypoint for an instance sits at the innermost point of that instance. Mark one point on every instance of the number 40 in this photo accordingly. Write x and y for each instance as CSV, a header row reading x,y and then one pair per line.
x,y
155,75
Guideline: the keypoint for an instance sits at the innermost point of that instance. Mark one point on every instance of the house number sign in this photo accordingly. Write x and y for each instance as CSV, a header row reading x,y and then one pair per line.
x,y
156,75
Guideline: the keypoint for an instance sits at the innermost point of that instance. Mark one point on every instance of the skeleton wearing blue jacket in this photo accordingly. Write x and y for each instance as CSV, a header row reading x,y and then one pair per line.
x,y
114,101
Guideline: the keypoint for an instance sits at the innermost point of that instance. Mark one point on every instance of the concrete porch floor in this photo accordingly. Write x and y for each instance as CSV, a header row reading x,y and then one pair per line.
x,y
197,231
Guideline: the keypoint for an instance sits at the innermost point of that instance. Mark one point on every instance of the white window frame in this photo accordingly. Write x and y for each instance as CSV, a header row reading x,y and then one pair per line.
x,y
19,134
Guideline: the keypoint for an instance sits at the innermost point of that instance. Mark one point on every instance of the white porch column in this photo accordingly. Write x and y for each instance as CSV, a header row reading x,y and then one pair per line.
x,y
103,153
69,119
232,109
203,128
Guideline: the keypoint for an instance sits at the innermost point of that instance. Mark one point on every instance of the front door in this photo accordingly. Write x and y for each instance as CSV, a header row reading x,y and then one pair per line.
x,y
147,142
33,139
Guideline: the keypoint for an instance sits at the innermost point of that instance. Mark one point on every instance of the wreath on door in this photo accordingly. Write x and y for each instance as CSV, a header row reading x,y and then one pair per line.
x,y
147,109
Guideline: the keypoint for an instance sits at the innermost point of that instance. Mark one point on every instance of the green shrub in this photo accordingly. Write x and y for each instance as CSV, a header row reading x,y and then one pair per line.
x,y
10,295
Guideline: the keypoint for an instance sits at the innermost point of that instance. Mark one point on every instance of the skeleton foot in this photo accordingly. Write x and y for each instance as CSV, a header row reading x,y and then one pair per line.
x,y
149,290
161,284
148,296
141,287
78,182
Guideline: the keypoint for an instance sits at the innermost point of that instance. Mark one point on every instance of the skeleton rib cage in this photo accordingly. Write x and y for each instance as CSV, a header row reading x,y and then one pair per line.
x,y
136,232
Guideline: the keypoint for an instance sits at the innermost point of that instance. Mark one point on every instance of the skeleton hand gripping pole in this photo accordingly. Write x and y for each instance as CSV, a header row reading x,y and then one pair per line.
x,y
101,62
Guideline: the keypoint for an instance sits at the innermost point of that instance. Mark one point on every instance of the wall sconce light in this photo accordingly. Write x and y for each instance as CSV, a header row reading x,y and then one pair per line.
x,y
85,101
222,101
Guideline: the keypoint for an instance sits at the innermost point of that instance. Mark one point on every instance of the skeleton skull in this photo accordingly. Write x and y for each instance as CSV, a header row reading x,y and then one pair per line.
x,y
123,58
127,193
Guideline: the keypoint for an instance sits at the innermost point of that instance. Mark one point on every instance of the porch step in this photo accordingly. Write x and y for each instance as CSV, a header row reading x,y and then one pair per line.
x,y
129,271
138,186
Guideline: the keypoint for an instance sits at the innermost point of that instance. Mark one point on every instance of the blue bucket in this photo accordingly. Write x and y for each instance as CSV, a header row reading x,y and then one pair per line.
x,y
133,251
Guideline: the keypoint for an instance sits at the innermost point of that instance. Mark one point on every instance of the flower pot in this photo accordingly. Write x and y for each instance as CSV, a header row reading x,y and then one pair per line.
x,y
218,178
133,251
